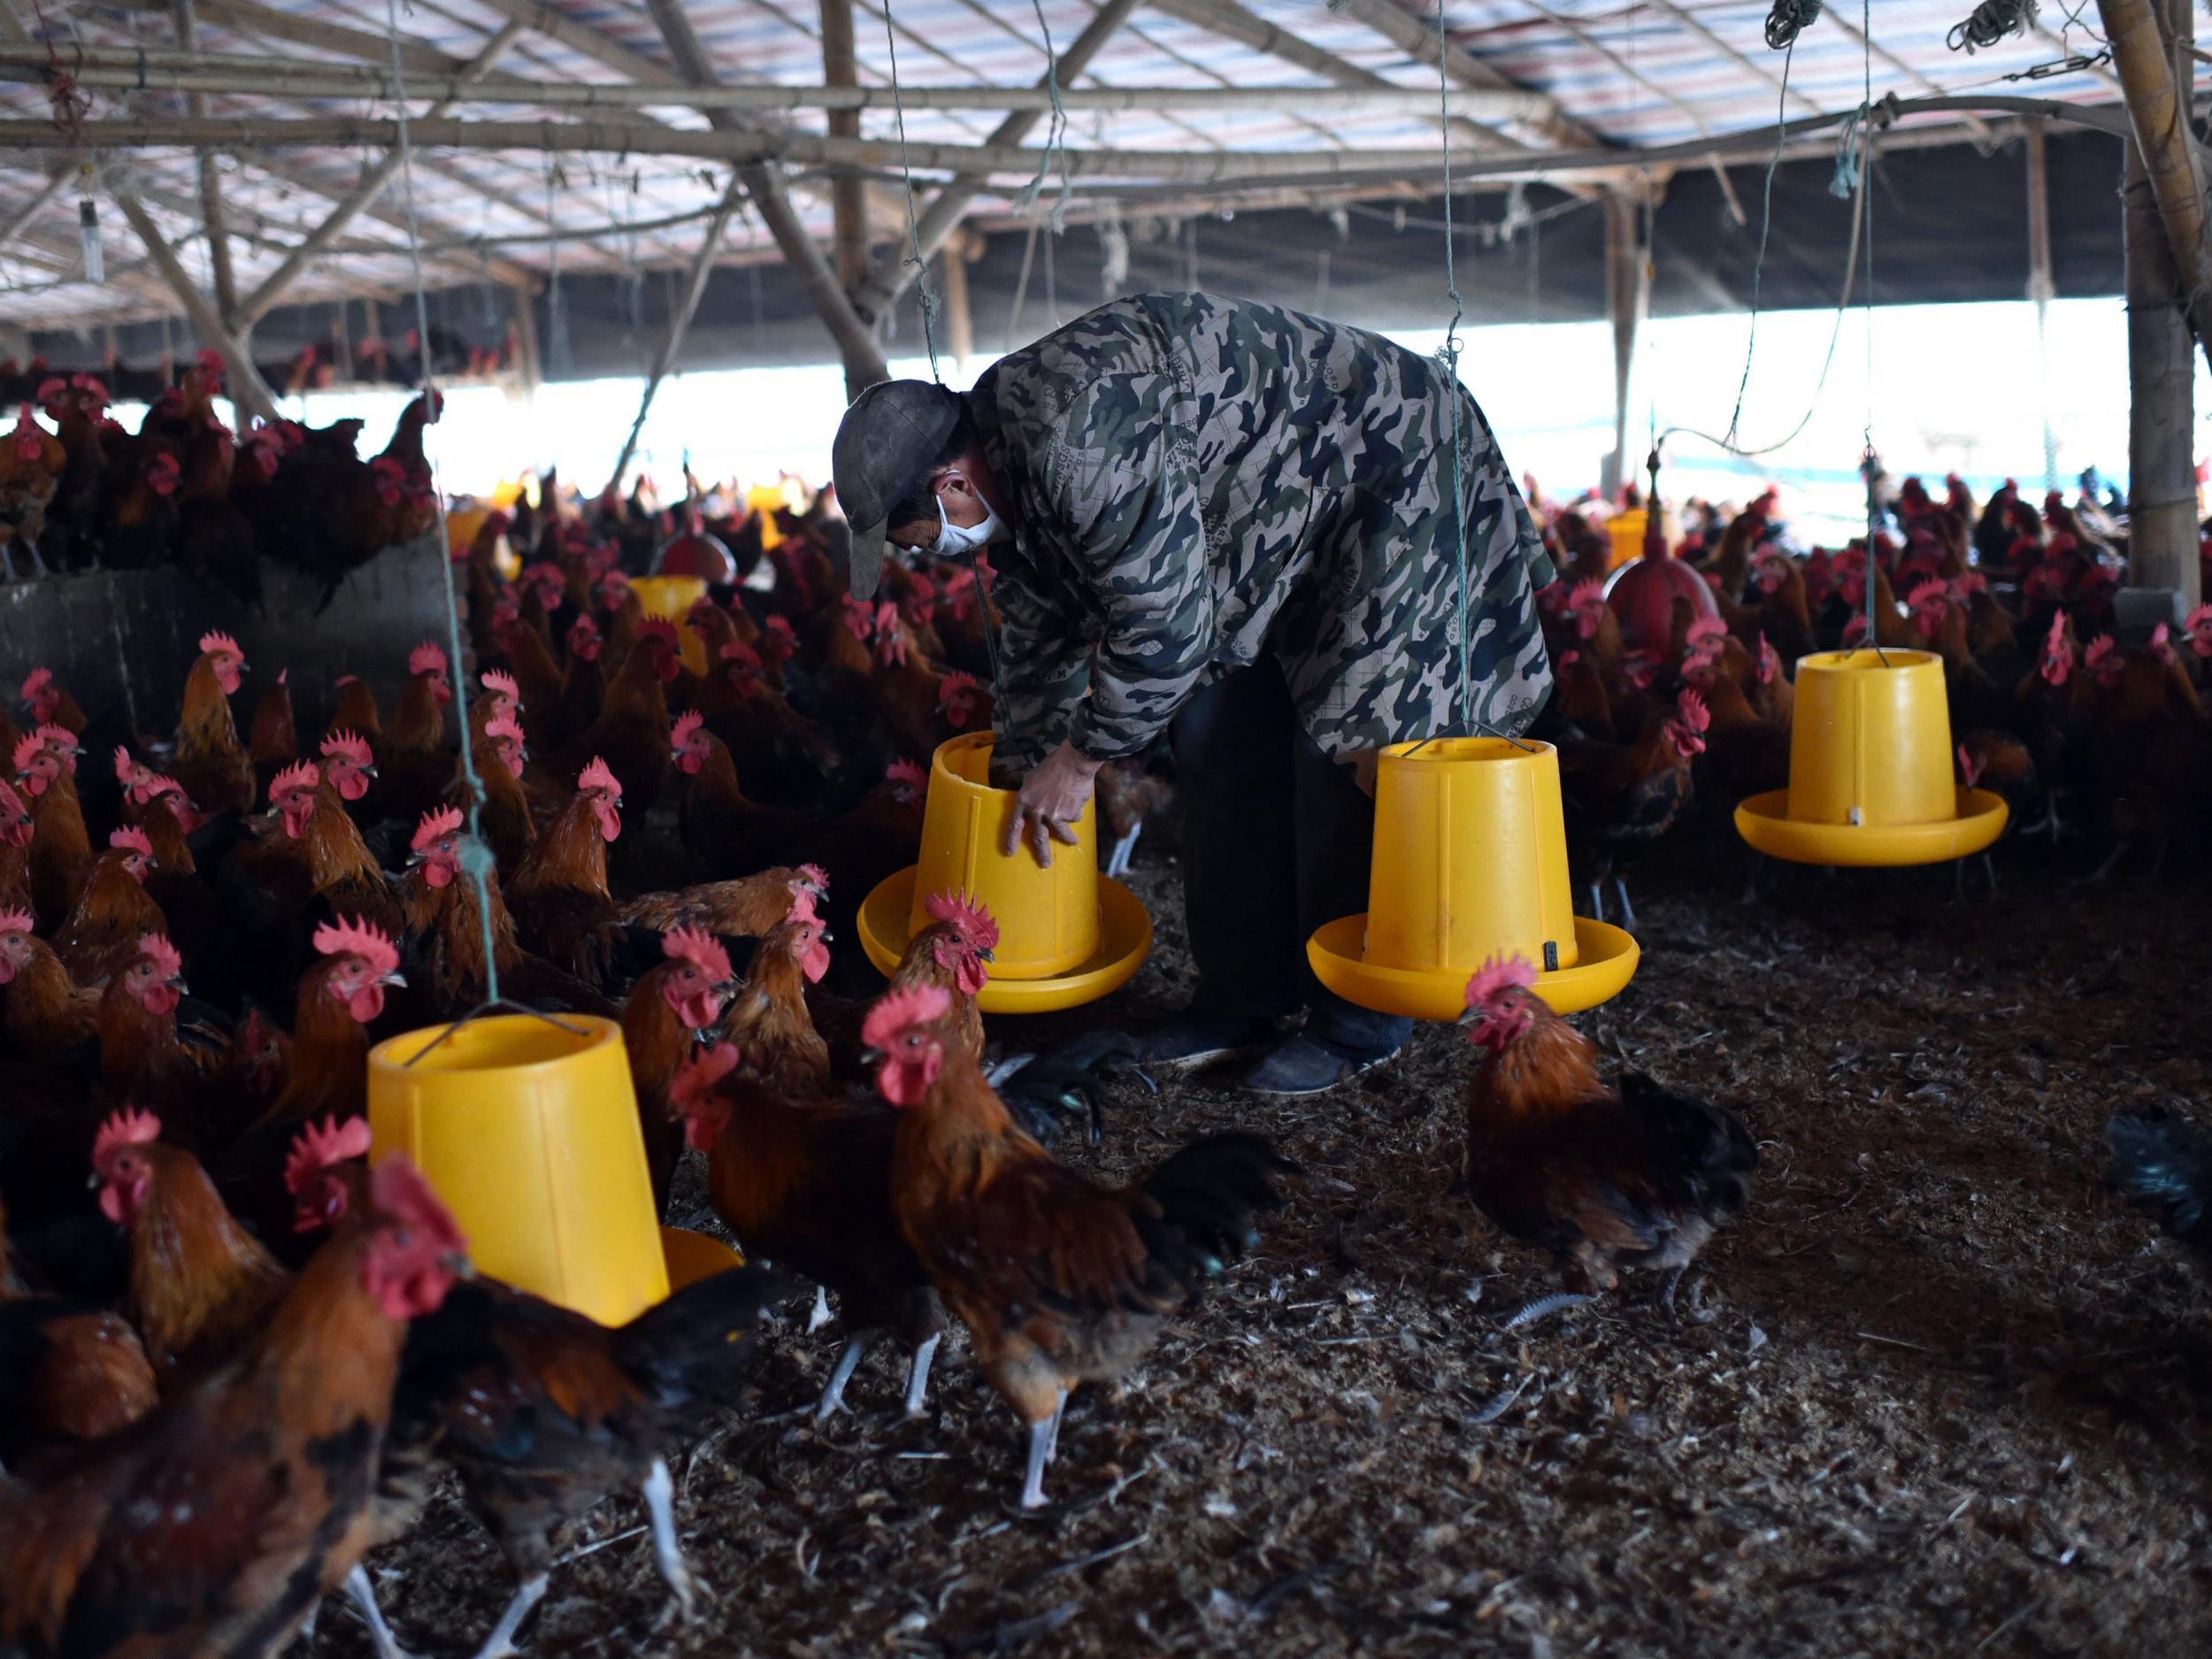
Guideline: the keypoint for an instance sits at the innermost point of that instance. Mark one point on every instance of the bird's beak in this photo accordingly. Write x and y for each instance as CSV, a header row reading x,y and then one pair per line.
x,y
871,1056
987,954
729,988
1467,1017
394,977
459,1265
176,983
92,1182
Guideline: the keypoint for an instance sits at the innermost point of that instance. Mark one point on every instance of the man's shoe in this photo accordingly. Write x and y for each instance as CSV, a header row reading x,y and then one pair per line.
x,y
1304,1065
1190,1040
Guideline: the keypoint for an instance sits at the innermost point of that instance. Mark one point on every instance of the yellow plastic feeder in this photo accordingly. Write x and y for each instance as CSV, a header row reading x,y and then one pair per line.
x,y
672,597
1470,862
529,1132
1067,935
1870,780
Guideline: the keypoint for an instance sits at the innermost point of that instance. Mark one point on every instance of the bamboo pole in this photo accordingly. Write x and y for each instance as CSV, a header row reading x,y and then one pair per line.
x,y
247,390
226,279
679,322
2160,119
849,200
1223,167
274,286
855,341
888,276
32,209
2161,461
198,73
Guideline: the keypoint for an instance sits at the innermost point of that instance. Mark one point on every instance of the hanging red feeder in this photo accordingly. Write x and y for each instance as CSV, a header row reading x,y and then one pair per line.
x,y
1643,591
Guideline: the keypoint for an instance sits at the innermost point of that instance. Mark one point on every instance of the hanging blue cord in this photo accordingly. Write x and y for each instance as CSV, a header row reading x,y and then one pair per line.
x,y
476,862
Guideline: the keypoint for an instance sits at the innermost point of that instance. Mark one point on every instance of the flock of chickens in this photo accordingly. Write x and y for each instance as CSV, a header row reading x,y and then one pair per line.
x,y
185,488
2074,729
234,1364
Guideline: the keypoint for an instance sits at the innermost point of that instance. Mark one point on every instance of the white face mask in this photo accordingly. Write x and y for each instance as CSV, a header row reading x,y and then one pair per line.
x,y
953,540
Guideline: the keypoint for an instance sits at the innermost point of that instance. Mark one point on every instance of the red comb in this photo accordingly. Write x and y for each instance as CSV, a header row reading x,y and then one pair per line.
x,y
220,644
503,726
700,949
351,745
37,681
26,751
662,629
436,825
16,922
599,775
896,1011
687,723
357,938
689,1089
500,680
165,956
132,838
1498,975
967,915
906,773
426,659
301,774
128,1127
324,1146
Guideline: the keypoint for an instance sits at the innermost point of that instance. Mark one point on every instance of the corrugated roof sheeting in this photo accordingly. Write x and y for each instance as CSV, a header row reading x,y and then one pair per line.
x,y
1636,74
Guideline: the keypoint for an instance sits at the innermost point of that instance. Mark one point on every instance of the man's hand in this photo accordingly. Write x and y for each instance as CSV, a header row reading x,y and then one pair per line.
x,y
1051,799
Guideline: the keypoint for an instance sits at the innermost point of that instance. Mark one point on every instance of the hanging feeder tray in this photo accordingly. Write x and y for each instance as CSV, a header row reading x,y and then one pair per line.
x,y
1470,862
671,598
1871,782
528,1129
1067,935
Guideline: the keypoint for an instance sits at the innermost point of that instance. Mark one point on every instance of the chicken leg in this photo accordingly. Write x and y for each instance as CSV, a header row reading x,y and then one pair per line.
x,y
501,1643
832,1399
1628,910
917,1376
1118,860
668,1550
363,1594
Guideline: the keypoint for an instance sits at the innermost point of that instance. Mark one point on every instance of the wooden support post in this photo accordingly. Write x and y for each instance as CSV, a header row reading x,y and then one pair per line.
x,y
849,197
1627,292
952,267
2158,115
210,184
763,182
2161,461
247,390
529,365
2040,289
888,276
679,321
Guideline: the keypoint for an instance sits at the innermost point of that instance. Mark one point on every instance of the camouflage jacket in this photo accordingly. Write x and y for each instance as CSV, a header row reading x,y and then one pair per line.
x,y
1195,482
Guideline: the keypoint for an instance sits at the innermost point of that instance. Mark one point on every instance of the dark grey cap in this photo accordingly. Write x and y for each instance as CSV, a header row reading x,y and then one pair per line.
x,y
890,437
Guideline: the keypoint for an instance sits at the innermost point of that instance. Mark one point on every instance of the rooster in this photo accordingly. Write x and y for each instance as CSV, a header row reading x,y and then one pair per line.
x,y
214,768
558,893
216,1524
446,926
414,758
1624,796
112,911
199,1282
630,734
1059,1280
70,1372
60,852
670,1009
1605,1178
730,832
49,1014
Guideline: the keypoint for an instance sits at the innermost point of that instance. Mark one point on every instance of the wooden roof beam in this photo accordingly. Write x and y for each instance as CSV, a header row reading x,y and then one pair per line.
x,y
1418,39
763,182
247,390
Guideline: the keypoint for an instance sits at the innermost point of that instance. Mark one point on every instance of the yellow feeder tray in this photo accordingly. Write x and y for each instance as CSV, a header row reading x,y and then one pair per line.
x,y
1067,935
672,597
692,1256
1470,862
529,1132
1871,780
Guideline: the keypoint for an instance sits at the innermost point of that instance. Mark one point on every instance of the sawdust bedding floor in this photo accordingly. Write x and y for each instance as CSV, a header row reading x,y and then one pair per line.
x,y
1935,1392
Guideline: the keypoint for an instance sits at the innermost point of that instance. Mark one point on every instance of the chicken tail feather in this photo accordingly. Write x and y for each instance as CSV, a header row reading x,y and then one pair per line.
x,y
2165,1166
697,1345
1213,1191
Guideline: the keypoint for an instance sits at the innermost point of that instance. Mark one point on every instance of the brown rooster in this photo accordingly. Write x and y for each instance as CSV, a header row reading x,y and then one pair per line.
x,y
1605,1178
672,1006
61,849
1059,1280
49,1013
113,913
730,832
211,765
414,758
216,1524
199,1282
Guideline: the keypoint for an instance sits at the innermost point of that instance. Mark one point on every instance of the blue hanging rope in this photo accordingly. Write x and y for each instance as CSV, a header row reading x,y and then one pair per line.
x,y
476,862
1056,138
